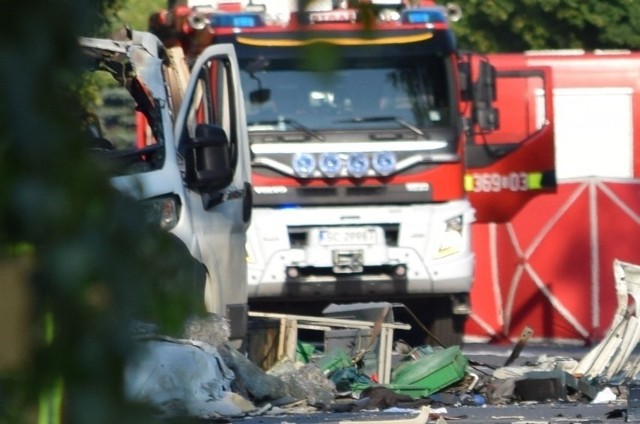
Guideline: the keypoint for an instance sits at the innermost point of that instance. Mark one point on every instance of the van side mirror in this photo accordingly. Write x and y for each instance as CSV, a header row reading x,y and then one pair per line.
x,y
208,159
485,115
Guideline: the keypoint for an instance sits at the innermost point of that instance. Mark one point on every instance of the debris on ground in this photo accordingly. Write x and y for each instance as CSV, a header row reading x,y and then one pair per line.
x,y
201,375
182,377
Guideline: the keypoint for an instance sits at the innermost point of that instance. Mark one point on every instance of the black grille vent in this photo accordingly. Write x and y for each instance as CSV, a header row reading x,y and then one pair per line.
x,y
366,191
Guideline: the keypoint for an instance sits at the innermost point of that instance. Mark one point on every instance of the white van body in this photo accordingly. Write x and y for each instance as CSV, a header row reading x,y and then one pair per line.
x,y
191,164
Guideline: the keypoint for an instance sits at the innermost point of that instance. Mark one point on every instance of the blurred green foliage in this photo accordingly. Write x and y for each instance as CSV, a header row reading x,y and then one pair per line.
x,y
518,25
135,13
499,25
96,265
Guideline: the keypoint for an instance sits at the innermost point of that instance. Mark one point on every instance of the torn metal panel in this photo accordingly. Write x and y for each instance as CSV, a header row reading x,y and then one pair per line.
x,y
612,353
630,340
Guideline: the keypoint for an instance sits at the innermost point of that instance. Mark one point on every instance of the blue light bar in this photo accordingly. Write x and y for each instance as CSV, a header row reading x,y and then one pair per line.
x,y
423,16
236,20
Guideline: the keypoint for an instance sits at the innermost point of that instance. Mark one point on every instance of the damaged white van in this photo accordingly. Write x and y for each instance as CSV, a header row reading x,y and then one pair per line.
x,y
180,142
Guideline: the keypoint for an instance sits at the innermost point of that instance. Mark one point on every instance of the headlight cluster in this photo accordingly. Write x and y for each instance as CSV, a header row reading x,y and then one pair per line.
x,y
356,165
163,211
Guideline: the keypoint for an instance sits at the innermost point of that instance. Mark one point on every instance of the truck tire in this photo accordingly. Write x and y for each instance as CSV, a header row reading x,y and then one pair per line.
x,y
447,328
432,320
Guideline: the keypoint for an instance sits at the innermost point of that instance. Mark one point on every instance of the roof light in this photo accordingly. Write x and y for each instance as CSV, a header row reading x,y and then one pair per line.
x,y
357,164
303,164
236,20
330,164
423,16
384,163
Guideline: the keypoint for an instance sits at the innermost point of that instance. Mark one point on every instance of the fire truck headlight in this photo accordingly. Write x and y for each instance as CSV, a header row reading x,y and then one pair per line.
x,y
163,211
384,163
451,240
357,164
303,164
330,164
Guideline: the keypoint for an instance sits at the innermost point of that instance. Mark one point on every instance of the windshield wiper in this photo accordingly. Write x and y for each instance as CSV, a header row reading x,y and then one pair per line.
x,y
384,119
295,124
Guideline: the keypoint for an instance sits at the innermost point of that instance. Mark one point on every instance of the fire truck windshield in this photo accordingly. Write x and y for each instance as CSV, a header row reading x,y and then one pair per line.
x,y
364,94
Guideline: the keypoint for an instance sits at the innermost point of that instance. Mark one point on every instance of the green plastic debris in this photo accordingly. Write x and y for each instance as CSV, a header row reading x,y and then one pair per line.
x,y
346,378
304,352
429,373
334,360
424,372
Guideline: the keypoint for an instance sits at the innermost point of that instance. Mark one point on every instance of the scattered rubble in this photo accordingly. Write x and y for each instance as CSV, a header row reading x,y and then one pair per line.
x,y
201,375
182,377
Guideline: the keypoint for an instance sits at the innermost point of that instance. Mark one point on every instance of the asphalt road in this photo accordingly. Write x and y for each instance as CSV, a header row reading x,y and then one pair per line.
x,y
531,414
538,413
581,411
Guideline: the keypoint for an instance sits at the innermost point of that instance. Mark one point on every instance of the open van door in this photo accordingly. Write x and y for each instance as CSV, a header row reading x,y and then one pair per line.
x,y
514,161
212,140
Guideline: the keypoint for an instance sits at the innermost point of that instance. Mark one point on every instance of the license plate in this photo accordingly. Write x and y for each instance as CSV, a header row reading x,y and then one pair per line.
x,y
348,236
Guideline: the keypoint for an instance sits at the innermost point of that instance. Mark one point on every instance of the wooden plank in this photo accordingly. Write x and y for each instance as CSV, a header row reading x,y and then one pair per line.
x,y
331,322
288,337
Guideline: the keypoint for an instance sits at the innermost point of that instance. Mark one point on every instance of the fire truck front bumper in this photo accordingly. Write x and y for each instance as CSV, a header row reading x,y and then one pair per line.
x,y
363,252
359,272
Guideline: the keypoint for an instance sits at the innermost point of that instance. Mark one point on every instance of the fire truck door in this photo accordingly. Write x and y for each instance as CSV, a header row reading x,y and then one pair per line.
x,y
509,166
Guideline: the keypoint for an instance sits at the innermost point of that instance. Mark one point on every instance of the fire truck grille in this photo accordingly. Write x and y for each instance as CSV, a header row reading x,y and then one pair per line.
x,y
328,196
298,235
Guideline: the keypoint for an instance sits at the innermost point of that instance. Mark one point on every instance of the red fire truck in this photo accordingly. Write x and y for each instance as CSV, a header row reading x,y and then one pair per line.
x,y
550,267
375,145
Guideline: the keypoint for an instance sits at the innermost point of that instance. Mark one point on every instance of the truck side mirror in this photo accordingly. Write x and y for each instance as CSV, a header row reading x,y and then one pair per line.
x,y
486,84
488,118
485,115
208,159
464,79
259,96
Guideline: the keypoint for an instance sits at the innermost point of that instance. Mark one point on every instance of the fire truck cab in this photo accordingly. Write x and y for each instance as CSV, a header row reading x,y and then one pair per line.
x,y
188,162
375,145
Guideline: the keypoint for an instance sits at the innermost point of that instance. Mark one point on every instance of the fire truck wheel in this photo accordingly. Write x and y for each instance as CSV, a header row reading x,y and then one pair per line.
x,y
433,322
447,328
